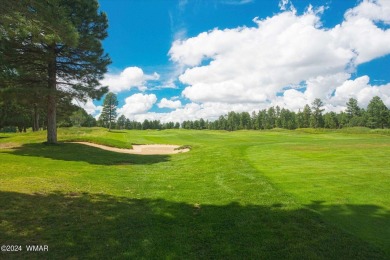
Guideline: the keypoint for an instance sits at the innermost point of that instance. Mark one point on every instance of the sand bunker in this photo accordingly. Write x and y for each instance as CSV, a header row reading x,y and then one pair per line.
x,y
148,149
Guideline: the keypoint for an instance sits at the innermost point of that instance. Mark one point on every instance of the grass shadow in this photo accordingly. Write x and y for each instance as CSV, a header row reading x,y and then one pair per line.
x,y
99,226
117,132
80,152
370,222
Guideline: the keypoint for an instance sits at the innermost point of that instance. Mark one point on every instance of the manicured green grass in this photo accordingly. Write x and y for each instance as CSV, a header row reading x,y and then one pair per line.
x,y
246,194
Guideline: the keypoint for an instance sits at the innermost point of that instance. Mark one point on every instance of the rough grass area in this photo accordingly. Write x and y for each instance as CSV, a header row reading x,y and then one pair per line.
x,y
246,194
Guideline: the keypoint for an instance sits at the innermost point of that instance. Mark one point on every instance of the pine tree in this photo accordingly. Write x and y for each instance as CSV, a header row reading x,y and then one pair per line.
x,y
330,120
354,113
378,113
54,45
121,123
352,108
306,114
109,114
316,119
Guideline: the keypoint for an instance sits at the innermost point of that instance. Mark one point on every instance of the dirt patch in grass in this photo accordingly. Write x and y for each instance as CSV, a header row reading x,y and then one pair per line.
x,y
148,149
8,145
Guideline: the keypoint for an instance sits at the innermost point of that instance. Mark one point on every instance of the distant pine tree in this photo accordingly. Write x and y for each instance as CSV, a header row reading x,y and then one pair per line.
x,y
109,114
378,113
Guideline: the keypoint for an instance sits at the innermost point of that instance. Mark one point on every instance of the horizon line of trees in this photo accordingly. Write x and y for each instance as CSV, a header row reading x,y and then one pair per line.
x,y
377,115
16,117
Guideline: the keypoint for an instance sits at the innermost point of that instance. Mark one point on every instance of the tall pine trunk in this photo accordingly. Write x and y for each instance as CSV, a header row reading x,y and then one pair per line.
x,y
110,116
35,118
109,119
51,100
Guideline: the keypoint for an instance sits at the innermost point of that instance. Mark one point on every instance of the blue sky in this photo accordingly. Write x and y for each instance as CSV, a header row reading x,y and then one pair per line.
x,y
184,59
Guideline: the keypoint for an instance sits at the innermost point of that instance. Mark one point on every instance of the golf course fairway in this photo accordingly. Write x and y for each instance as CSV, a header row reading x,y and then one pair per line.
x,y
235,195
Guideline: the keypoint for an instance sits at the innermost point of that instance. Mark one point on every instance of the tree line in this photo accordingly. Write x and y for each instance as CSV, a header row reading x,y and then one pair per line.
x,y
18,116
377,115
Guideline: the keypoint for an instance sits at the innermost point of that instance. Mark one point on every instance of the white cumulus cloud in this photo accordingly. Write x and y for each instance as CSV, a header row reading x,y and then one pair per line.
x,y
335,91
375,10
166,103
286,59
137,104
127,79
88,106
194,111
362,91
286,4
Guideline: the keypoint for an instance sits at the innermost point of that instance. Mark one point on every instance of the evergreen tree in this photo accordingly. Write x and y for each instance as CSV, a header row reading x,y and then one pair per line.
x,y
306,113
354,113
222,123
90,121
352,108
262,119
300,119
287,119
196,125
278,121
254,120
146,124
271,118
330,120
378,113
245,120
202,124
121,122
342,119
233,121
78,117
316,119
109,114
55,45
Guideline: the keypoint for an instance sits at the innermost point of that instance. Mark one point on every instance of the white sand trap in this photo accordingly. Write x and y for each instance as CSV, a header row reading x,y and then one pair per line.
x,y
148,149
